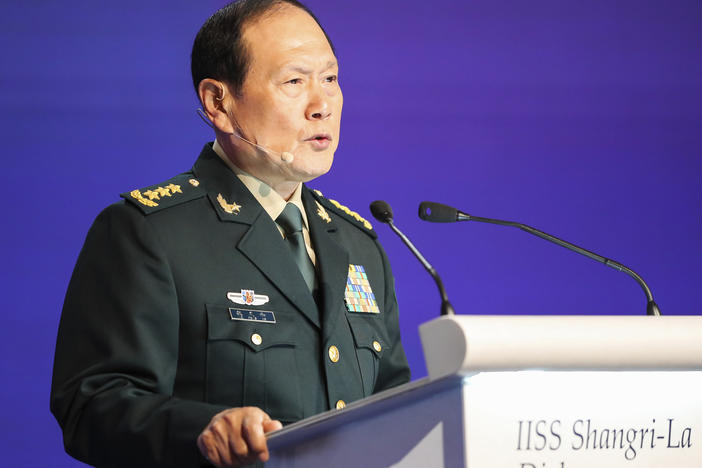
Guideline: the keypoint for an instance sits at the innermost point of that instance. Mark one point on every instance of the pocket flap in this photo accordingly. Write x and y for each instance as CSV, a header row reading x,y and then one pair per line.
x,y
366,333
257,335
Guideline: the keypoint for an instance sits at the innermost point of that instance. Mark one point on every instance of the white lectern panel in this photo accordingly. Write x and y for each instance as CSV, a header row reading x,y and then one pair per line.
x,y
469,343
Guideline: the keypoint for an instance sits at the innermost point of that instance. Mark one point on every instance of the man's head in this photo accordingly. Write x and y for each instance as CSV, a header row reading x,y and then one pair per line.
x,y
266,70
219,51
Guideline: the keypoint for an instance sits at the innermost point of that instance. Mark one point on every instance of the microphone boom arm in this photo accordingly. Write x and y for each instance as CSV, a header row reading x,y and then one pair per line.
x,y
651,309
436,212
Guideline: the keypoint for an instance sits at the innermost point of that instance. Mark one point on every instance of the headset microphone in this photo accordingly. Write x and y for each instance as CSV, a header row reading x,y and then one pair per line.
x,y
286,156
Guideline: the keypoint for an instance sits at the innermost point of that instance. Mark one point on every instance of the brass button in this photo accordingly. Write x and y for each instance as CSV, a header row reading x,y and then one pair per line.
x,y
340,404
256,339
333,353
377,347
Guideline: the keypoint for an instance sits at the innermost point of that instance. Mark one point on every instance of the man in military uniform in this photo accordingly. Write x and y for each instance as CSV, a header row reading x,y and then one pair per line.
x,y
207,310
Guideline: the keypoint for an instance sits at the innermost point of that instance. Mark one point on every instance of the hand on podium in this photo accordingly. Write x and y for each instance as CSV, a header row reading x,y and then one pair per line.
x,y
236,437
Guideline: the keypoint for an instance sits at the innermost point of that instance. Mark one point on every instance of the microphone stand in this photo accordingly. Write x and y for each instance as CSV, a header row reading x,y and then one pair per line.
x,y
446,307
383,213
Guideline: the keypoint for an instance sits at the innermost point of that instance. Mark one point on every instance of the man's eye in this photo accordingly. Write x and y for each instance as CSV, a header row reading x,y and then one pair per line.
x,y
294,81
331,78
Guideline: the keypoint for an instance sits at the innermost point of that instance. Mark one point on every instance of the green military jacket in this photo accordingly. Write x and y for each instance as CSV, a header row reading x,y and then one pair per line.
x,y
186,301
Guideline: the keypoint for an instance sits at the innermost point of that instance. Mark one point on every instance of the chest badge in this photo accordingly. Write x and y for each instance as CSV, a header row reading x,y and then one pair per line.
x,y
247,297
358,295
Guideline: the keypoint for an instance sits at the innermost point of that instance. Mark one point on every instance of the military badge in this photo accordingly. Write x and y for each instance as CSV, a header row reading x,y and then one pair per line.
x,y
136,194
171,193
358,295
322,213
159,192
231,208
247,297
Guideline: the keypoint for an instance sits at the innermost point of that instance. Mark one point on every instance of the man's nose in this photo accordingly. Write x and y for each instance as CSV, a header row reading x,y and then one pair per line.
x,y
318,107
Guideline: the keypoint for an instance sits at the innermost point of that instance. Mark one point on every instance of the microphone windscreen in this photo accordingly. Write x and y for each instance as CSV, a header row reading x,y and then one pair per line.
x,y
381,211
437,213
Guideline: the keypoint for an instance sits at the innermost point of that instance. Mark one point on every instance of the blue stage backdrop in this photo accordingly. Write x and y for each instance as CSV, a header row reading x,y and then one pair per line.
x,y
582,119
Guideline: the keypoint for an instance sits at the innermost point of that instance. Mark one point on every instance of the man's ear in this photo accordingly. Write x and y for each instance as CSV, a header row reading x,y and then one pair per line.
x,y
215,98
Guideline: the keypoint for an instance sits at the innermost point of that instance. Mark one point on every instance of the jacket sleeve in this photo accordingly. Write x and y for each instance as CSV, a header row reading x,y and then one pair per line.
x,y
117,352
393,370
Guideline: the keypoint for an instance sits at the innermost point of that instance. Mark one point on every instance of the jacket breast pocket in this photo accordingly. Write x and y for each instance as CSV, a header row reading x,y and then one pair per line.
x,y
371,344
252,363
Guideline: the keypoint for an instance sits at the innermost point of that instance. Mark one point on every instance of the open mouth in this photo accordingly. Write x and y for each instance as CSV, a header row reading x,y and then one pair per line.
x,y
321,141
320,137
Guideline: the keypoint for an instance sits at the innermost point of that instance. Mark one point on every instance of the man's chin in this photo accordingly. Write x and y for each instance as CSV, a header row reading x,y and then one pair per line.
x,y
310,170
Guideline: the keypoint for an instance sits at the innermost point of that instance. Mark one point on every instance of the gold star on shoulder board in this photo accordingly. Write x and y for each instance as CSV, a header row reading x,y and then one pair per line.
x,y
163,191
151,194
174,188
231,208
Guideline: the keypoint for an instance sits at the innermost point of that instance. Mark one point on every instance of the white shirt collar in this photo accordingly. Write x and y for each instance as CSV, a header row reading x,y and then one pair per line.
x,y
268,198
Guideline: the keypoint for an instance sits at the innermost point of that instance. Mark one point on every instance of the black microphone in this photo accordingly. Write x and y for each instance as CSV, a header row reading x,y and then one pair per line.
x,y
438,213
383,213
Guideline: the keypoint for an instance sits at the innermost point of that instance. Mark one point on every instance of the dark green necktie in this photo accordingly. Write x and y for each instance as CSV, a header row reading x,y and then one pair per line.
x,y
291,222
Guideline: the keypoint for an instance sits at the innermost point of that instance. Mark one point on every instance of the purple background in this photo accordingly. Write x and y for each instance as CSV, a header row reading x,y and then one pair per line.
x,y
579,118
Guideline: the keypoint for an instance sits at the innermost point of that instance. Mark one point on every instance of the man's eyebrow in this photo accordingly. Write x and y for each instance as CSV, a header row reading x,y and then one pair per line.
x,y
307,71
331,64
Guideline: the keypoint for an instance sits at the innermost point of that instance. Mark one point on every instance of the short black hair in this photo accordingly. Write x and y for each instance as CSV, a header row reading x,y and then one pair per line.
x,y
219,51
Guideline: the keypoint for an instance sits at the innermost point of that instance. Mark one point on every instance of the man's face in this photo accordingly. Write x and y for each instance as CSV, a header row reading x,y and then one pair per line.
x,y
290,100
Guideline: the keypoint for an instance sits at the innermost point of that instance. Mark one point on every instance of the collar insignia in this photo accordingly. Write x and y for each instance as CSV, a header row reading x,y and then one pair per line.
x,y
322,213
231,208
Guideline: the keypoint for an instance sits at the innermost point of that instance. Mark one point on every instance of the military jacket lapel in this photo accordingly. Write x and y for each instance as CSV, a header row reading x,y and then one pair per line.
x,y
264,246
262,242
332,261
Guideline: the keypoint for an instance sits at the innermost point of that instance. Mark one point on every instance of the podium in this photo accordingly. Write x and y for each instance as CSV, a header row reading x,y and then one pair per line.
x,y
525,392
